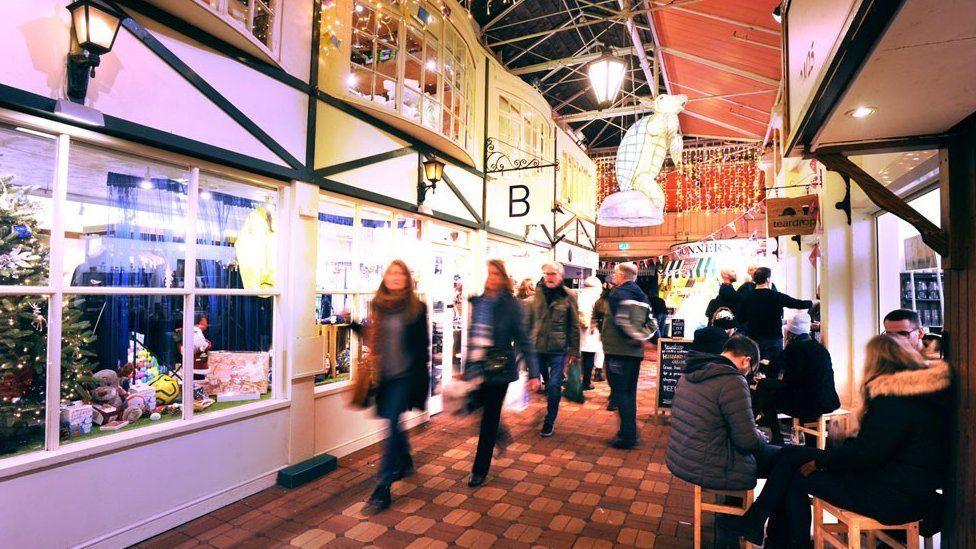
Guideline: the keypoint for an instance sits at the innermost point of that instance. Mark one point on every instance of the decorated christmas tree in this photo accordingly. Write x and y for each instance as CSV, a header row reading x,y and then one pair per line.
x,y
24,255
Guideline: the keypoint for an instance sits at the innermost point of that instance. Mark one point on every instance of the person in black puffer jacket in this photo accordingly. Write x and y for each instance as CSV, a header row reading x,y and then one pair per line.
x,y
889,471
714,440
727,296
801,383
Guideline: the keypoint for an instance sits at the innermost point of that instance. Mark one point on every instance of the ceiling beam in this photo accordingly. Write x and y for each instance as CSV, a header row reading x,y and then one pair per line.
x,y
725,125
502,15
646,106
637,42
725,97
575,60
720,66
552,33
530,36
662,5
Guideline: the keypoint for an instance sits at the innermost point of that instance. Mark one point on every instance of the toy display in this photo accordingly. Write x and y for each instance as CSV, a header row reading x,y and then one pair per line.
x,y
238,372
103,413
77,418
167,389
107,391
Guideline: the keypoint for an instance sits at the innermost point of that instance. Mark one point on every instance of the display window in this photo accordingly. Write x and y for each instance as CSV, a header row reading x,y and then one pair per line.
x,y
157,266
431,83
909,272
356,242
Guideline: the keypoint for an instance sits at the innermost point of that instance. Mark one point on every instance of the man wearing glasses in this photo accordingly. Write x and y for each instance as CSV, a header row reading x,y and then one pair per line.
x,y
903,325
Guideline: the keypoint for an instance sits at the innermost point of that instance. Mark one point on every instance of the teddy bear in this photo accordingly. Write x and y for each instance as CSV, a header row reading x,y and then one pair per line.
x,y
640,157
107,390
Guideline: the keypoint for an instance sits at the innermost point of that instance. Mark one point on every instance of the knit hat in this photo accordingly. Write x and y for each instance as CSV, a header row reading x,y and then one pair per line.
x,y
724,319
799,324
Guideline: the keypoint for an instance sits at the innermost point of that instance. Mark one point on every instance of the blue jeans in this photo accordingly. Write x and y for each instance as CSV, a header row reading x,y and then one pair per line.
x,y
393,403
554,386
623,371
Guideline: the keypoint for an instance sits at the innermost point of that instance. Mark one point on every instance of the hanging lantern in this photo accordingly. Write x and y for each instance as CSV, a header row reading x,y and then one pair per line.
x,y
606,77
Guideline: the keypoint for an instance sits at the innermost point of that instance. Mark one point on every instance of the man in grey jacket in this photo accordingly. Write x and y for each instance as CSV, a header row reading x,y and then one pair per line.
x,y
714,441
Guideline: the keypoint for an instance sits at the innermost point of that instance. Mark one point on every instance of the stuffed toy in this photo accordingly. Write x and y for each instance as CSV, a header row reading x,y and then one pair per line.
x,y
167,389
108,390
134,405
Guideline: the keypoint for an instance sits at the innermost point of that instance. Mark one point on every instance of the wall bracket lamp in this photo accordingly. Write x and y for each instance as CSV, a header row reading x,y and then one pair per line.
x,y
432,170
94,28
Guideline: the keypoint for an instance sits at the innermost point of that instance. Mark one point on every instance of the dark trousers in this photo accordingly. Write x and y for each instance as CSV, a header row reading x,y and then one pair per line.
x,y
554,384
589,359
492,397
392,404
769,348
623,371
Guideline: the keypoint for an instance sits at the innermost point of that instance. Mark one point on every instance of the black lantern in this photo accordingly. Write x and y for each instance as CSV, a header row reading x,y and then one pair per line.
x,y
434,170
95,28
431,170
606,76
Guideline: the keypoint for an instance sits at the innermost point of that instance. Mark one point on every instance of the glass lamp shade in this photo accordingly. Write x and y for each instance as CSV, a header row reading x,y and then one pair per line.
x,y
606,76
95,26
434,170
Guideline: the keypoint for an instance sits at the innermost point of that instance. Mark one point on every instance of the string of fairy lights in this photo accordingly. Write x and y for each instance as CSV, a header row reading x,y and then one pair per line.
x,y
715,179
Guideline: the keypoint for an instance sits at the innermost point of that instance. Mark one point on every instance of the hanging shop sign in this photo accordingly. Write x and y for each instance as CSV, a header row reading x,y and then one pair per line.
x,y
515,204
792,216
574,255
640,157
814,29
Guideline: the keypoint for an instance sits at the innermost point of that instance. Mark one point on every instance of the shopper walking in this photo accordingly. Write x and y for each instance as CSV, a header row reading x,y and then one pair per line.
x,y
890,471
761,313
555,335
399,342
591,347
600,310
626,326
801,381
495,335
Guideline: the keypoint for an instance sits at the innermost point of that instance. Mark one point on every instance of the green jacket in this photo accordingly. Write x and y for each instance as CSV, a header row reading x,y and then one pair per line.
x,y
555,325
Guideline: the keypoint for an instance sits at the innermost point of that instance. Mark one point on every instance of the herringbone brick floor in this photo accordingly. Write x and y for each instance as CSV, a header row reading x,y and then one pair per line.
x,y
570,490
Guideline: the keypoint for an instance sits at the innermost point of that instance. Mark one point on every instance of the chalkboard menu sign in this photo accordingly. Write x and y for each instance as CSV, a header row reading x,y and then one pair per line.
x,y
672,355
677,328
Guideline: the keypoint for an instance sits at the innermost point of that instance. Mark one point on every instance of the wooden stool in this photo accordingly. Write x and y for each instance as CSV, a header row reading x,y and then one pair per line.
x,y
853,524
700,506
819,428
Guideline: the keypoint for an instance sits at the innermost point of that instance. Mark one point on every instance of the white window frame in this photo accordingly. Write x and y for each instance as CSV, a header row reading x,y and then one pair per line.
x,y
56,290
464,139
221,8
360,289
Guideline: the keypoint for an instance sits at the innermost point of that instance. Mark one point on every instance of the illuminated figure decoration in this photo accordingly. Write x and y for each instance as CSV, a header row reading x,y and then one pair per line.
x,y
640,157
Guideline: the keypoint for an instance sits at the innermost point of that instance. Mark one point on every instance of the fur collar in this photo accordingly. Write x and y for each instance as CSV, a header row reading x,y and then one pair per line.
x,y
933,379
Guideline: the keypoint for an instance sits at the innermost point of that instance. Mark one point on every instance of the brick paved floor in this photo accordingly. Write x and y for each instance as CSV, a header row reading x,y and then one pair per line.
x,y
570,490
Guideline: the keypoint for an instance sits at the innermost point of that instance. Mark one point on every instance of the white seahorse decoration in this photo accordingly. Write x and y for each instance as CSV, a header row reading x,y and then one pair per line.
x,y
640,157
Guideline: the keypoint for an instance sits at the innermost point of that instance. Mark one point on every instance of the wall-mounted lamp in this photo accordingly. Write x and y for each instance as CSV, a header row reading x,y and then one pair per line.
x,y
433,171
94,28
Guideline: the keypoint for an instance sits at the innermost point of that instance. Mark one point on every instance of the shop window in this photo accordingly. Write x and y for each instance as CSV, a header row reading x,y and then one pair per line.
x,y
433,84
124,293
125,221
909,272
523,133
258,18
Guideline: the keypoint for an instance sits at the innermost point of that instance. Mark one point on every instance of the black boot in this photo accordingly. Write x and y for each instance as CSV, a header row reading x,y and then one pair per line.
x,y
743,526
406,468
381,499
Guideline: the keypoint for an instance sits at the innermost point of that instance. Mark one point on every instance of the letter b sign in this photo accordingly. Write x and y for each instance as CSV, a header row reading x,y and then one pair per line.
x,y
515,202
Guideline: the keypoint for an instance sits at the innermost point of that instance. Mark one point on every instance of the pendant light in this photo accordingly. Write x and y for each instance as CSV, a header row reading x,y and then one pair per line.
x,y
606,76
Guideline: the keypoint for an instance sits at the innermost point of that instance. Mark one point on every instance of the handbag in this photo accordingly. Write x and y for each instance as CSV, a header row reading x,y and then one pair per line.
x,y
364,386
498,367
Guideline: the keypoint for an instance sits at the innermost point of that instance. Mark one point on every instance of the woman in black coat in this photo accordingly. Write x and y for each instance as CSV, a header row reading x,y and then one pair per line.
x,y
399,352
889,471
497,330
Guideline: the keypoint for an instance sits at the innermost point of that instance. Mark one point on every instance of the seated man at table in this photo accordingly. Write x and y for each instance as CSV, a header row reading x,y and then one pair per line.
x,y
802,381
714,441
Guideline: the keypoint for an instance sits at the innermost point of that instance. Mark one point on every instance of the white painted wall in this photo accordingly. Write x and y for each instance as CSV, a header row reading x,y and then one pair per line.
x,y
122,497
134,84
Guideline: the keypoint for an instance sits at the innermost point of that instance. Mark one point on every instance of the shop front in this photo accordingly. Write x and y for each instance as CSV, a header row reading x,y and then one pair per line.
x,y
898,201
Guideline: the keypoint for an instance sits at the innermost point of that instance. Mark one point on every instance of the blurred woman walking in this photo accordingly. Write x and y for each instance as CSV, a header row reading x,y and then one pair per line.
x,y
496,332
399,349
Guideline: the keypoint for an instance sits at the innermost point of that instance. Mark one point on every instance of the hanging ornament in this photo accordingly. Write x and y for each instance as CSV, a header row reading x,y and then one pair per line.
x,y
640,157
